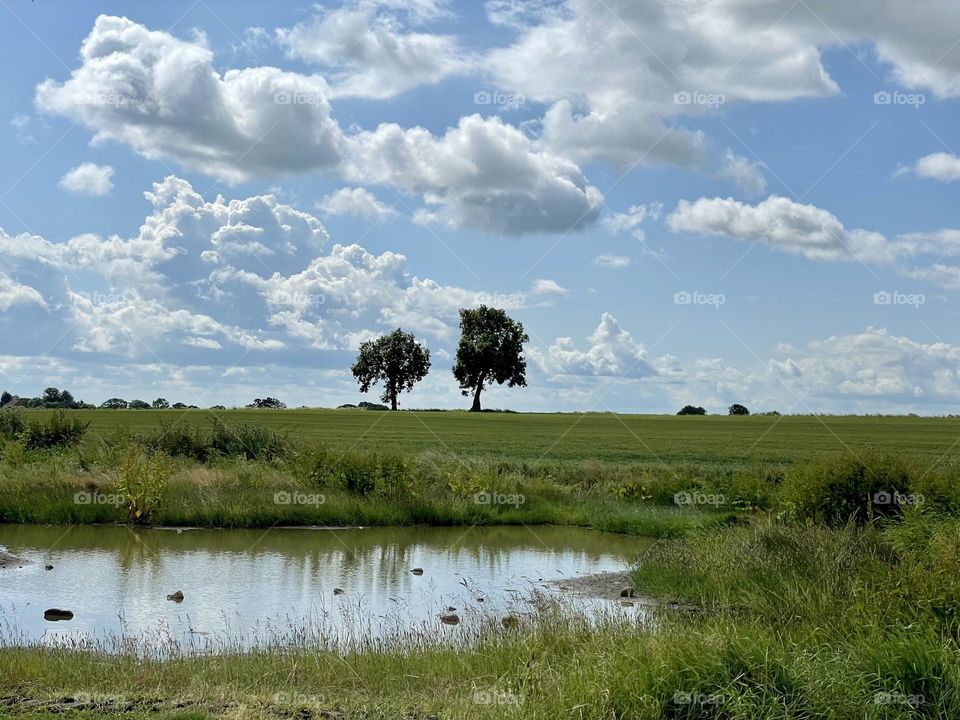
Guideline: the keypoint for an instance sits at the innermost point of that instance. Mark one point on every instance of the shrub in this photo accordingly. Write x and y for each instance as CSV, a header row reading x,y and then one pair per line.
x,y
362,473
837,489
249,441
738,409
142,478
12,424
691,410
57,432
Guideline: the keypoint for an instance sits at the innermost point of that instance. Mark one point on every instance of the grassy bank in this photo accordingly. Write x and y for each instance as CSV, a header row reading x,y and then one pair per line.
x,y
778,620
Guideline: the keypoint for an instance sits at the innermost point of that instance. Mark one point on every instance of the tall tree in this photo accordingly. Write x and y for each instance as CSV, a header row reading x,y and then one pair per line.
x,y
397,360
490,351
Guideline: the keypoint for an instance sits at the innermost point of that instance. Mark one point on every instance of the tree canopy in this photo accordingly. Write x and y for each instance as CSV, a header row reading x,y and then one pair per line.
x,y
397,360
490,351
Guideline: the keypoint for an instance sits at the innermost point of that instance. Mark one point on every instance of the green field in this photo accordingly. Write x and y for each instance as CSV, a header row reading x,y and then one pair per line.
x,y
530,437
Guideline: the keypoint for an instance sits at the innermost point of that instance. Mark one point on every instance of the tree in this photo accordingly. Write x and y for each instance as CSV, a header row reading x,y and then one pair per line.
x,y
692,410
5,399
397,360
54,398
490,351
738,409
267,403
160,404
139,405
114,404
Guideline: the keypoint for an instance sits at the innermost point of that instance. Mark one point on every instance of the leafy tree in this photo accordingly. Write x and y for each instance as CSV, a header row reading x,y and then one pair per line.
x,y
54,398
268,403
397,360
179,406
139,405
160,404
114,404
738,409
692,410
5,399
490,351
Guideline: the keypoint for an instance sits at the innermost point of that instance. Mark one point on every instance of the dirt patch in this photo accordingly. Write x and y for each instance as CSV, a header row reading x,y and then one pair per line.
x,y
11,561
605,585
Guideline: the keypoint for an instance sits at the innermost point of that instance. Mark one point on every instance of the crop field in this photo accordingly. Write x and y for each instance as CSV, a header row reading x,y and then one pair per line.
x,y
603,437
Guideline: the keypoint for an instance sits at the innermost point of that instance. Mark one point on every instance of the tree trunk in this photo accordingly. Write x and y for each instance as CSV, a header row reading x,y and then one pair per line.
x,y
476,394
393,401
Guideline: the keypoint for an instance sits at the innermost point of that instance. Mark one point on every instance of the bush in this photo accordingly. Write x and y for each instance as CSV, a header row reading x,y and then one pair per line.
x,y
738,409
249,441
12,424
362,473
142,478
691,410
838,489
57,432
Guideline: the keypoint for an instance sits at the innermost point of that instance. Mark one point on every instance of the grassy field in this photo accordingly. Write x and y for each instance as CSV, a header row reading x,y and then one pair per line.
x,y
531,437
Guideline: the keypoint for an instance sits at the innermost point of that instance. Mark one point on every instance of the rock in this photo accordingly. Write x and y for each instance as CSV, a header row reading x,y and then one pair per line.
x,y
626,603
176,597
338,591
510,621
627,592
417,571
48,567
450,619
451,608
56,614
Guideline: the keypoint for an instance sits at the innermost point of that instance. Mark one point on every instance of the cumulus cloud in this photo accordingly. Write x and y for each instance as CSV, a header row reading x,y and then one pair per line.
x,y
13,293
88,179
782,224
633,219
939,166
612,353
746,174
370,52
355,201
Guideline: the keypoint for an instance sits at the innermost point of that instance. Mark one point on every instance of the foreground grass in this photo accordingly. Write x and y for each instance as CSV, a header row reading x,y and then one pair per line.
x,y
778,621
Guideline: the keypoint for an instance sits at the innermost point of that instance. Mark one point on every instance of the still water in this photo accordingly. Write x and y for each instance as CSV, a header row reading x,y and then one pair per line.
x,y
247,588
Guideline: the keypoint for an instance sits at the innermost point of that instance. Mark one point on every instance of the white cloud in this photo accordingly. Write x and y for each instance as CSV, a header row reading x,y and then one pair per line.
x,y
355,201
782,224
747,174
616,262
13,293
88,179
612,353
371,53
543,286
633,220
939,166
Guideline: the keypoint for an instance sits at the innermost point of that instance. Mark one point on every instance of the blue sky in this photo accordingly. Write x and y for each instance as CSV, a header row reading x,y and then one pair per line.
x,y
735,201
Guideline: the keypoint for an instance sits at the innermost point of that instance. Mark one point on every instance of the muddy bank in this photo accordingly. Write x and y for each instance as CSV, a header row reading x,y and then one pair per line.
x,y
11,561
605,585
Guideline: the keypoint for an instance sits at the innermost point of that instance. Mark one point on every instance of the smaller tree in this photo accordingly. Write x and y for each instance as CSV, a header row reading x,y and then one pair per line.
x,y
397,360
490,351
5,399
691,410
160,404
267,403
114,404
738,409
139,405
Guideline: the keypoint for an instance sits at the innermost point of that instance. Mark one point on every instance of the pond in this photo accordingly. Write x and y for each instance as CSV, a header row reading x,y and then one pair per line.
x,y
329,587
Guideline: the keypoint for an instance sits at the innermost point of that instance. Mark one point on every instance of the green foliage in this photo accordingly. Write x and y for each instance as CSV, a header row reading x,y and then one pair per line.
x,y
139,405
691,410
160,404
837,489
58,431
738,409
490,351
114,404
252,441
397,360
12,423
142,479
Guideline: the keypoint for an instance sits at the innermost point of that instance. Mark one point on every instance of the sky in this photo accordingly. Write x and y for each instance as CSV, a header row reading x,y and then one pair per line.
x,y
683,201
